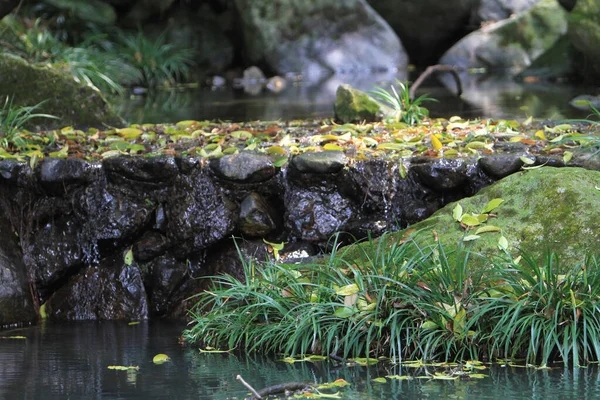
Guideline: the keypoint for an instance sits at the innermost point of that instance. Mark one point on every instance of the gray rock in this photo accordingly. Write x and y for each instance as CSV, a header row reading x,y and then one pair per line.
x,y
161,169
152,244
442,174
323,162
255,218
352,105
496,10
244,167
510,45
319,38
499,166
66,170
110,290
165,276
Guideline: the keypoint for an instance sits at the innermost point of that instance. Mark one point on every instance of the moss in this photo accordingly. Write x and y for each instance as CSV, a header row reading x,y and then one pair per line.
x,y
547,209
352,105
74,103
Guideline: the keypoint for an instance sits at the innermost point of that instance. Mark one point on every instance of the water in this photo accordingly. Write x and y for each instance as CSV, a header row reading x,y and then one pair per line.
x,y
484,96
70,360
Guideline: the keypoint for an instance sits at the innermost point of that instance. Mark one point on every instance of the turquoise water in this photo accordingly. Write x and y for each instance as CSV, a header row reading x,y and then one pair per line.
x,y
70,361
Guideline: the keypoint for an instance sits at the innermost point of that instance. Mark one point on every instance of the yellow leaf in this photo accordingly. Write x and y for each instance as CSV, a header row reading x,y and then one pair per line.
x,y
487,228
470,220
331,146
129,133
348,290
124,368
540,135
435,142
567,156
160,359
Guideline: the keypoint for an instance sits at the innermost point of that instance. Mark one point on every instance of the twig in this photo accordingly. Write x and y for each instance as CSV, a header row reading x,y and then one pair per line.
x,y
335,357
436,68
254,392
282,388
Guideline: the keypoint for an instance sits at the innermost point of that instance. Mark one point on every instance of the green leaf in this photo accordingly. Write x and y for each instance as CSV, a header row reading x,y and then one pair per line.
x,y
567,156
344,312
492,205
124,368
400,377
526,160
160,359
43,314
133,323
478,376
470,238
457,212
335,384
347,290
380,380
470,220
502,243
242,135
128,257
129,133
487,228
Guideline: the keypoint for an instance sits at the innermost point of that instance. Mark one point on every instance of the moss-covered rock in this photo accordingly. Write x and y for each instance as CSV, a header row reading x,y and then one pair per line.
x,y
352,105
318,38
73,102
584,32
511,44
546,209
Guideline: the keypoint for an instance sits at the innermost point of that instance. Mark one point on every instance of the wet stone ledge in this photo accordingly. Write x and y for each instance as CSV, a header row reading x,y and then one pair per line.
x,y
124,238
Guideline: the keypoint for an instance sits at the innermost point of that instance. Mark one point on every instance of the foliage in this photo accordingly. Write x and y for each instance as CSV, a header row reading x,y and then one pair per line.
x,y
543,315
12,120
157,61
407,302
407,110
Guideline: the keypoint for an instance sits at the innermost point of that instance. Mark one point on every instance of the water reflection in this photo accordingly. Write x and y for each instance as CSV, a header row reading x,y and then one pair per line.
x,y
483,96
69,361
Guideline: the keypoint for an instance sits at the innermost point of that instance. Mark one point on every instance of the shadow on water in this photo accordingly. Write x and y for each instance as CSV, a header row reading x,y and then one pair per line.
x,y
488,96
70,361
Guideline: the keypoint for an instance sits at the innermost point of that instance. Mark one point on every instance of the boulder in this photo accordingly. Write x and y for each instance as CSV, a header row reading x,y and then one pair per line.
x,y
94,11
584,32
427,27
512,44
352,105
16,305
543,210
72,102
496,10
318,38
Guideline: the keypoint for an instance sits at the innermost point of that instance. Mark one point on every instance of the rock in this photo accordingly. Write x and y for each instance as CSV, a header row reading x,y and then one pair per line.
x,y
315,215
322,162
57,174
352,105
253,75
244,167
151,245
557,63
496,10
90,11
142,10
584,33
255,218
545,209
581,102
427,27
501,165
513,44
156,171
110,290
319,38
443,174
276,84
165,276
74,103
16,305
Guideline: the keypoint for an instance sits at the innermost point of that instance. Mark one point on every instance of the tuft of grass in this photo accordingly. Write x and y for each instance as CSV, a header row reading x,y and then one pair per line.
x,y
12,120
157,61
407,110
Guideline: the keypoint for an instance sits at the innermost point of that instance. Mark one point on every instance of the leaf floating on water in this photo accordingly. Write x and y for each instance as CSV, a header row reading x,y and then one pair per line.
x,y
400,377
124,368
209,349
380,380
13,337
335,384
161,359
478,376
133,323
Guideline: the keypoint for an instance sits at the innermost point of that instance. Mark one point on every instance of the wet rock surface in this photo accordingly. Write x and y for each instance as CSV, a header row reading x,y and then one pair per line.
x,y
126,238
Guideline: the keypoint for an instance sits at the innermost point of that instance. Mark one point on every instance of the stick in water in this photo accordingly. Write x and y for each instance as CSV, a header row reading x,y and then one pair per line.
x,y
254,392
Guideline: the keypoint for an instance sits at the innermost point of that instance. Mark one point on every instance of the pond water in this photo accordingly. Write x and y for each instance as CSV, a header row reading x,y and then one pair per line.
x,y
70,361
495,97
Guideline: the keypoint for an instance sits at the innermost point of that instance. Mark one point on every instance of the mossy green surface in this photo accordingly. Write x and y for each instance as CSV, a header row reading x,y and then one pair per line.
x,y
545,209
584,32
352,105
73,102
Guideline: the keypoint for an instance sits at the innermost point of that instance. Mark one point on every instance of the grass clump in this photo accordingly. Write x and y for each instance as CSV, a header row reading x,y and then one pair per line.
x,y
12,120
406,302
406,109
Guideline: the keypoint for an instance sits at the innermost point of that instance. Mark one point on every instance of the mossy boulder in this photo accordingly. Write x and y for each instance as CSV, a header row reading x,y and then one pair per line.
x,y
73,102
543,210
318,38
584,32
352,105
512,44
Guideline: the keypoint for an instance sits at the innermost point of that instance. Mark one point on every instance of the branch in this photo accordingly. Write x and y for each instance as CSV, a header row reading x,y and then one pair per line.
x,y
254,392
436,68
282,388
